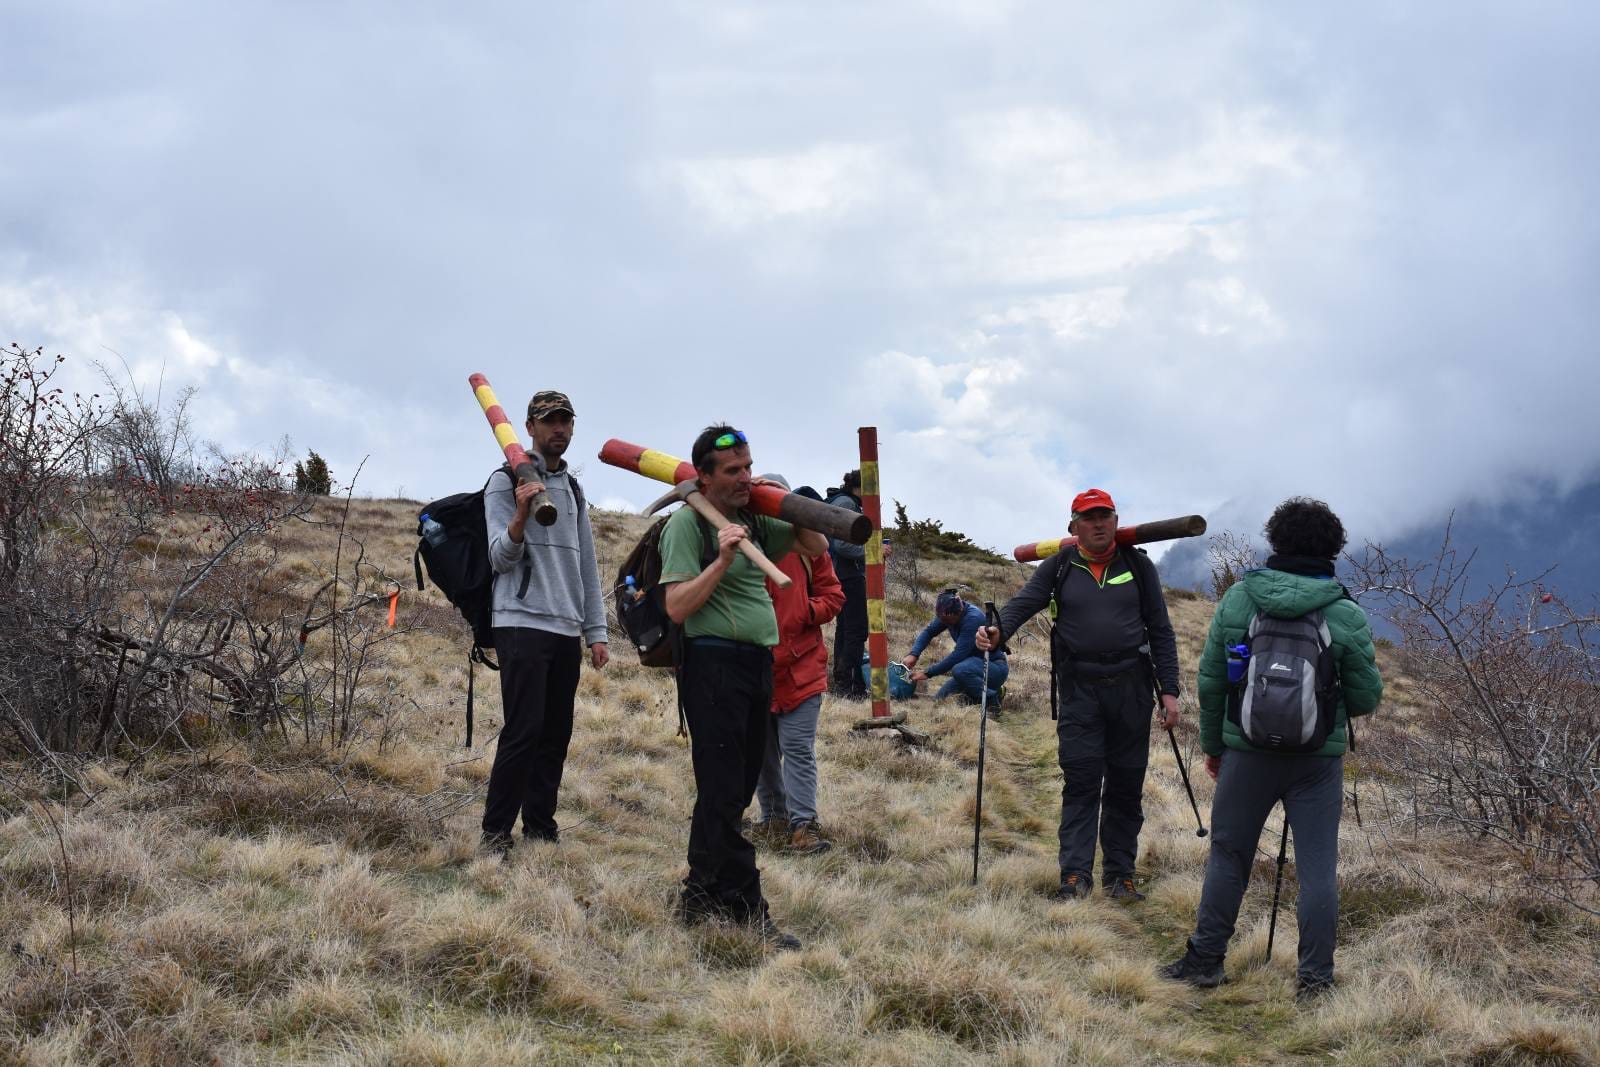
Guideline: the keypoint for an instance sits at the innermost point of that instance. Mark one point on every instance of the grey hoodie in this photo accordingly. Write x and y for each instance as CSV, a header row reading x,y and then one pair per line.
x,y
563,594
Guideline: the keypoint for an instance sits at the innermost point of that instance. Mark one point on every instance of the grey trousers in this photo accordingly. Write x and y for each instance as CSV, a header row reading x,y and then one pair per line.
x,y
787,788
1249,785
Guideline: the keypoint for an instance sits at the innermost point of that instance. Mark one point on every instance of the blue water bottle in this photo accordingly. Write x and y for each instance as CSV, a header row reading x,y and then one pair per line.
x,y
432,532
1238,663
632,591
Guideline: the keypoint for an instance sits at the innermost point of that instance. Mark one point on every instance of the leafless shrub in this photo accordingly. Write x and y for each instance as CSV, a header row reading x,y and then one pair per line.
x,y
1229,554
1505,745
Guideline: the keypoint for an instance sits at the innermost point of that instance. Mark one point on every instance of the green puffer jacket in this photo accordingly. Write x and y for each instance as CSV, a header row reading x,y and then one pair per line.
x,y
1286,596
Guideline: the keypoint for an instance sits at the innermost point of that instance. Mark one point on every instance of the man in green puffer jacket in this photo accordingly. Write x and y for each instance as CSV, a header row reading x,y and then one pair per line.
x,y
1306,537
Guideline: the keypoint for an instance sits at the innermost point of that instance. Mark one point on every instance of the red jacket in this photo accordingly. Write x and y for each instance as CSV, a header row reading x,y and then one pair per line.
x,y
800,658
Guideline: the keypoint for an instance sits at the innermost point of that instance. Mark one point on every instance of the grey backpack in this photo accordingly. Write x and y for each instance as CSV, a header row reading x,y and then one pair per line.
x,y
1287,699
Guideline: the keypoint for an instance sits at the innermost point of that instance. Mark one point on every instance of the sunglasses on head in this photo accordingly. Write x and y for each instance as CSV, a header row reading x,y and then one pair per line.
x,y
728,440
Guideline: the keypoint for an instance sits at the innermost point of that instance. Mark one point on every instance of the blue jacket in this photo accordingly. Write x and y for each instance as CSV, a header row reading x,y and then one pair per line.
x,y
965,634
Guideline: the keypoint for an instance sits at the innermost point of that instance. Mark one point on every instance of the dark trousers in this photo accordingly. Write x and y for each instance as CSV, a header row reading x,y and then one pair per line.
x,y
727,698
1103,745
850,638
538,680
1249,785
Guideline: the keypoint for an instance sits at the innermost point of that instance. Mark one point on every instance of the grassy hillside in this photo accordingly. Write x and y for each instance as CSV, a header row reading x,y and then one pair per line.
x,y
284,903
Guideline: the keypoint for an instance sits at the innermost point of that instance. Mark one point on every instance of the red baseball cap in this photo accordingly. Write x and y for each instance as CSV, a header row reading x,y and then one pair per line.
x,y
1090,499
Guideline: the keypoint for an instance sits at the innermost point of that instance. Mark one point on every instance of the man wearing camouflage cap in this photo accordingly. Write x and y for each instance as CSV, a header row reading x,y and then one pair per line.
x,y
1114,643
547,606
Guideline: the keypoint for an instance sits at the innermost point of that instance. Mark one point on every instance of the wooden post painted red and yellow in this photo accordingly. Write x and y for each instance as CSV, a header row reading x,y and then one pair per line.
x,y
505,434
1142,534
767,500
877,631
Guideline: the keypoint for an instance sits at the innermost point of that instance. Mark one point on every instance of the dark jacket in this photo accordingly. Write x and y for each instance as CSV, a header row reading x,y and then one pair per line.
x,y
849,561
1287,596
1105,621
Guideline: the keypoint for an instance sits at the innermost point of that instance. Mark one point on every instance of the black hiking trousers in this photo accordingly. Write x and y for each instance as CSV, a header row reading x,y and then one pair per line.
x,y
850,638
1103,745
727,699
538,682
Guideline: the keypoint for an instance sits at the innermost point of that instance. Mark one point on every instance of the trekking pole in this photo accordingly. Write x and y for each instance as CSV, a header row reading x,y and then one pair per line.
x,y
1199,827
990,618
1355,794
1277,884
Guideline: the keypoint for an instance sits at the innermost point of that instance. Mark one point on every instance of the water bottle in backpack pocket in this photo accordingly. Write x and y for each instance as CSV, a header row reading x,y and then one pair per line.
x,y
1289,692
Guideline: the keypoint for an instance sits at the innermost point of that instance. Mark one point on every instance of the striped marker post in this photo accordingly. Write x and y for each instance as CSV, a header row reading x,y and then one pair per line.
x,y
1142,534
877,631
544,512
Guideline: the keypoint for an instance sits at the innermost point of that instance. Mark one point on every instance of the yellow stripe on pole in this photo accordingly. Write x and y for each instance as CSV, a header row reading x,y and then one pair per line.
x,y
875,617
869,478
659,465
1049,548
880,683
505,434
485,397
875,547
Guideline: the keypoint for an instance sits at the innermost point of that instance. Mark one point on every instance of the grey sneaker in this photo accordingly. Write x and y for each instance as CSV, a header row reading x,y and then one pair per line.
x,y
1308,992
1073,887
498,845
1188,969
775,938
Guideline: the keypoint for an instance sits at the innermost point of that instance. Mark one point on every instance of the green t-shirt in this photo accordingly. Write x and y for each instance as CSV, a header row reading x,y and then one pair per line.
x,y
739,608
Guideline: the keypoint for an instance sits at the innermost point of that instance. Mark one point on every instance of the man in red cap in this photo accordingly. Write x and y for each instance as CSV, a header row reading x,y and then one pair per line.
x,y
1114,643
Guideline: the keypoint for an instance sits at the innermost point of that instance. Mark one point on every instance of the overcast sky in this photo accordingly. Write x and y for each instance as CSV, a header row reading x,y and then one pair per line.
x,y
1203,256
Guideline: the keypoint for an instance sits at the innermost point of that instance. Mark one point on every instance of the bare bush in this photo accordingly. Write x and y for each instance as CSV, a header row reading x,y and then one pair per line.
x,y
138,613
1229,554
1505,744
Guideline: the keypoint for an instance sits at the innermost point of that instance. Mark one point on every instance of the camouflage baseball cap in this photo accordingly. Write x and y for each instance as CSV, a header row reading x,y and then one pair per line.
x,y
547,402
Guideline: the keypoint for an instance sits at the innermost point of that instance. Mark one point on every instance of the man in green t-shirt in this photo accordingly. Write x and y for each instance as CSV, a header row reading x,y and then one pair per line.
x,y
729,628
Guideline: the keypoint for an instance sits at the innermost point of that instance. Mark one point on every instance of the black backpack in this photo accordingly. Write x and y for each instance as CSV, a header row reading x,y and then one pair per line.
x,y
642,610
457,558
1287,699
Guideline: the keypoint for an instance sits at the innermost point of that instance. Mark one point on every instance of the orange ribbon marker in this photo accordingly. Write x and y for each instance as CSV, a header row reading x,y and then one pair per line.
x,y
394,603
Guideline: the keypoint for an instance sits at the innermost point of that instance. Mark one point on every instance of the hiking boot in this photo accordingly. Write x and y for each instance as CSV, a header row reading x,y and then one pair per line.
x,y
552,836
807,839
498,845
1123,890
775,938
1190,970
1073,887
695,906
773,832
999,700
1308,992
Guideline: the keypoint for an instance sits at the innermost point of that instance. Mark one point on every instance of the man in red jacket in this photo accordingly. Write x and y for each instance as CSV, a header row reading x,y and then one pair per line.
x,y
787,788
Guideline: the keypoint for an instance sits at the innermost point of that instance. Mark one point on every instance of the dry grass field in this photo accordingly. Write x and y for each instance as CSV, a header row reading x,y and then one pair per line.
x,y
288,903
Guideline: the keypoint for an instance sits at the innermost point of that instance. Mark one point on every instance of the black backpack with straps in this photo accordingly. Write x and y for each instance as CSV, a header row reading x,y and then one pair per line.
x,y
1126,553
456,555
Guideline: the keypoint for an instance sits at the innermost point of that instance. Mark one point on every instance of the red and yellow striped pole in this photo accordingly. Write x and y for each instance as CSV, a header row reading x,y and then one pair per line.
x,y
544,512
1142,534
877,631
766,500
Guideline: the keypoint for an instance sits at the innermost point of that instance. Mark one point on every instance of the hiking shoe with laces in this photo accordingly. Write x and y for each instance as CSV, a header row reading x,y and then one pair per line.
x,y
807,839
1123,890
1073,887
498,845
1188,969
775,939
1307,992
